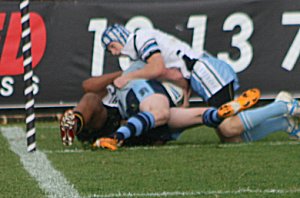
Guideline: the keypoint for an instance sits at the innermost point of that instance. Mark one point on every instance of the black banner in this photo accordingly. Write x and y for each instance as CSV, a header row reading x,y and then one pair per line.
x,y
259,38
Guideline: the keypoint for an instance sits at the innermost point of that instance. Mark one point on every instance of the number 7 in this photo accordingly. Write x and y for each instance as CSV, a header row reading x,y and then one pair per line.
x,y
292,18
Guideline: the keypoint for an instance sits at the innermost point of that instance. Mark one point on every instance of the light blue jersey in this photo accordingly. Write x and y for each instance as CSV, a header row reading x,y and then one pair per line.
x,y
210,75
139,89
131,95
136,91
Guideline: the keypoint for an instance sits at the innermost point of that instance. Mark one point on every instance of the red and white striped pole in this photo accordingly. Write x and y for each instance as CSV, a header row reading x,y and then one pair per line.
x,y
28,74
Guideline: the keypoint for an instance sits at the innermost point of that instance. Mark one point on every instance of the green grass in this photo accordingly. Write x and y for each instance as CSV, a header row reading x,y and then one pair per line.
x,y
14,180
196,164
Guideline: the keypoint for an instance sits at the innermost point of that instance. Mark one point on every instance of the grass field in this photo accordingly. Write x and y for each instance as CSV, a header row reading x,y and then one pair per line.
x,y
194,166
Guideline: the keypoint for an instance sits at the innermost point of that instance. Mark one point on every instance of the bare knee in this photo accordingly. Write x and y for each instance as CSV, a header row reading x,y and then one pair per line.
x,y
161,116
159,106
231,127
165,114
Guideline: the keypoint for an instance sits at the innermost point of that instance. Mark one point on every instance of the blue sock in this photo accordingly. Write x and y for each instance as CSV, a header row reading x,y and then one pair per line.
x,y
136,125
252,118
211,117
265,128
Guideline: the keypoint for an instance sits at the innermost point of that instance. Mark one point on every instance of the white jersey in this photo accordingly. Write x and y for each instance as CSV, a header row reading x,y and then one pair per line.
x,y
145,42
110,99
207,74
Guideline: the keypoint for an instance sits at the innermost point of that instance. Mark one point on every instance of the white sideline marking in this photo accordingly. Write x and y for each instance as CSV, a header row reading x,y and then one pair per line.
x,y
195,193
38,166
170,147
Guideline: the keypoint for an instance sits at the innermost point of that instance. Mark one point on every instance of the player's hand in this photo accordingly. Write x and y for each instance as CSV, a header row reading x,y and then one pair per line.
x,y
106,143
121,81
186,97
185,103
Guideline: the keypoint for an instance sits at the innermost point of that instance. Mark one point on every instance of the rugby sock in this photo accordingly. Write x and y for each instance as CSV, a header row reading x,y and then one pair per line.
x,y
136,125
211,117
252,118
79,121
265,128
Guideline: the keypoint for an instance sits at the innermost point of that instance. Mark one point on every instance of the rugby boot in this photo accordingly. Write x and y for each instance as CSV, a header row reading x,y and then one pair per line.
x,y
106,143
294,129
246,100
293,106
68,127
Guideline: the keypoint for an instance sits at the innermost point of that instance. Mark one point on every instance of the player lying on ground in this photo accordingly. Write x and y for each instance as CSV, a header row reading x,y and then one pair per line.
x,y
148,107
252,125
92,118
212,79
148,103
281,115
163,54
97,115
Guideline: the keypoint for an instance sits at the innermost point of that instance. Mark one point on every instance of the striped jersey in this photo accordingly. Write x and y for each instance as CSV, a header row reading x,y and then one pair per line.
x,y
145,42
110,99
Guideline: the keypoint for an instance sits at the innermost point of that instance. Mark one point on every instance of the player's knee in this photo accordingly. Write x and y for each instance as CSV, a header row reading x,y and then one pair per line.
x,y
162,116
230,128
165,113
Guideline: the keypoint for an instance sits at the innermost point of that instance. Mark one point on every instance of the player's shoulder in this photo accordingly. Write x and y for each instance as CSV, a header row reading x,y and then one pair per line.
x,y
145,32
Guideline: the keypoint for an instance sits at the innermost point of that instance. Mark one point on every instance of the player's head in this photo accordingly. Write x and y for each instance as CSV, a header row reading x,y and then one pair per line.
x,y
115,33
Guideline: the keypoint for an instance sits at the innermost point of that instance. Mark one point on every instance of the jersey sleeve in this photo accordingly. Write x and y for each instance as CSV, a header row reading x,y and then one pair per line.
x,y
146,44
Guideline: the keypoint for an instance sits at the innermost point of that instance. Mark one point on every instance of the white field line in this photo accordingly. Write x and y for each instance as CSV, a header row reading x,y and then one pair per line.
x,y
51,181
171,147
197,193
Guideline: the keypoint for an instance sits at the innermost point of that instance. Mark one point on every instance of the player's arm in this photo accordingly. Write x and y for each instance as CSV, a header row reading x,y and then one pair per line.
x,y
146,49
173,75
99,84
153,69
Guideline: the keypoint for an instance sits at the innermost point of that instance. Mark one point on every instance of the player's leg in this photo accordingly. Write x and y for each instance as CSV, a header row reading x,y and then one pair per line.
x,y
210,116
156,136
153,108
186,117
266,128
89,112
293,128
257,123
154,112
225,95
92,132
270,126
159,106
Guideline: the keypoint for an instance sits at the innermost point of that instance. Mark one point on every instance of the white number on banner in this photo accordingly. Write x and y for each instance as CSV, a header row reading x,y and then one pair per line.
x,y
292,18
239,40
198,23
98,26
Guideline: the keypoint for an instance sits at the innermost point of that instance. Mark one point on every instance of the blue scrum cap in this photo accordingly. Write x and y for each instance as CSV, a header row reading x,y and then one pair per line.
x,y
116,33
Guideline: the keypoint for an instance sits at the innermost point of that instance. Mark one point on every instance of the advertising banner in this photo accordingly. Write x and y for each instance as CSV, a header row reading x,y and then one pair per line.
x,y
259,38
